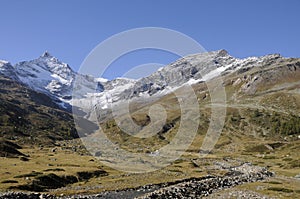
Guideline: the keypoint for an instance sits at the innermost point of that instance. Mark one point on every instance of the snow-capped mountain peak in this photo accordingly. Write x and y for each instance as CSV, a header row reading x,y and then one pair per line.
x,y
46,74
46,54
49,75
2,62
7,69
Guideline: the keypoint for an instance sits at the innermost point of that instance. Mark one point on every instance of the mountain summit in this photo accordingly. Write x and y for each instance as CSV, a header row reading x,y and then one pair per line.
x,y
46,54
261,124
49,75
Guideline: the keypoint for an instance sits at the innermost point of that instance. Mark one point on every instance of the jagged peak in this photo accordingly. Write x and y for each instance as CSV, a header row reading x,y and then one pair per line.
x,y
4,62
47,57
5,65
47,62
216,53
272,56
222,53
46,54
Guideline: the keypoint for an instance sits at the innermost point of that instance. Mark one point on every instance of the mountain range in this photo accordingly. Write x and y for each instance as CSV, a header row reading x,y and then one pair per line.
x,y
41,98
56,79
58,87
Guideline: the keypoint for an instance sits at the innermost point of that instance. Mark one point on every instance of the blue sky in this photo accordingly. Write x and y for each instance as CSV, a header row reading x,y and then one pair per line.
x,y
70,29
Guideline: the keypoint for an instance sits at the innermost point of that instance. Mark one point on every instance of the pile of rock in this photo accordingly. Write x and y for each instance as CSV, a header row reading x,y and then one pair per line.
x,y
238,194
237,174
20,195
199,188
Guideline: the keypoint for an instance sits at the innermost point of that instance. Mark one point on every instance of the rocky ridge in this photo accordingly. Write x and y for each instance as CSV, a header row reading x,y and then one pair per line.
x,y
49,75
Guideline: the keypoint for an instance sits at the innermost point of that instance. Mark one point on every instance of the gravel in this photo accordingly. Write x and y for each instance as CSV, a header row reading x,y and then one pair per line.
x,y
238,194
199,188
188,188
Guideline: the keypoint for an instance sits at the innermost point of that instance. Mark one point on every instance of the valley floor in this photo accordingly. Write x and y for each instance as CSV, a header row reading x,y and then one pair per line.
x,y
268,174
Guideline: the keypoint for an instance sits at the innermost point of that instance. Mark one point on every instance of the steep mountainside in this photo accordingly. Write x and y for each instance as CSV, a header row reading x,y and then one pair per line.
x,y
29,117
262,126
191,70
49,80
263,100
56,79
50,76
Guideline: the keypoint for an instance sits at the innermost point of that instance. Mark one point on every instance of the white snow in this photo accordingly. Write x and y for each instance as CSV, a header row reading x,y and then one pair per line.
x,y
100,79
126,79
60,79
214,73
34,76
3,62
160,69
49,75
193,81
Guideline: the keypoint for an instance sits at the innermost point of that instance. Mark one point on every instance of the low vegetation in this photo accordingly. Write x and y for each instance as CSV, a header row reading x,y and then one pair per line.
x,y
260,127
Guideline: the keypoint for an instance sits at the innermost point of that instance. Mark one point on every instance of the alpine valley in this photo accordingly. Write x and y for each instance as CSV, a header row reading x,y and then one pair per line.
x,y
256,155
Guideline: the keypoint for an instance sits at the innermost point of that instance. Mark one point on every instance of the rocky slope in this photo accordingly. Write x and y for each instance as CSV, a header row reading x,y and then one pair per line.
x,y
46,81
29,117
191,69
49,75
261,124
